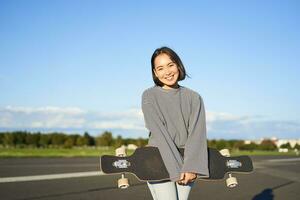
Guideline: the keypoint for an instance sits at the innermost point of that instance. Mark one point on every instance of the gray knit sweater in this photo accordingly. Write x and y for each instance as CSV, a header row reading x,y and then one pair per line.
x,y
176,119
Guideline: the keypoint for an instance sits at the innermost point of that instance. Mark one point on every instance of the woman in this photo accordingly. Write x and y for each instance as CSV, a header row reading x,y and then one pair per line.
x,y
175,117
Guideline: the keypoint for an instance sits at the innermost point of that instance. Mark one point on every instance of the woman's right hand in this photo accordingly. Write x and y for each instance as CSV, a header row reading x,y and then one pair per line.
x,y
187,177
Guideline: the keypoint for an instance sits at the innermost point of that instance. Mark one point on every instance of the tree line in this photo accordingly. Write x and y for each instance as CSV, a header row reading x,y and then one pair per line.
x,y
61,140
265,145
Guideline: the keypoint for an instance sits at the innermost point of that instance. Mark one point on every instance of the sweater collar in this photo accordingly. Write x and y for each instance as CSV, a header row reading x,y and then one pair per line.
x,y
171,90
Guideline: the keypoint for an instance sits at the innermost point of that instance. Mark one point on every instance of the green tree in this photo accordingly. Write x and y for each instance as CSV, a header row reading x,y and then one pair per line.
x,y
238,145
297,146
140,142
221,144
81,141
106,139
286,145
32,139
128,141
70,141
248,147
267,145
57,139
90,141
45,140
9,140
231,143
118,141
1,138
20,138
212,143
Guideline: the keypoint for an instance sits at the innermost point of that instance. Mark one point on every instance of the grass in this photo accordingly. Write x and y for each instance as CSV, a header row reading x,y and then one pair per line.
x,y
94,152
57,152
263,153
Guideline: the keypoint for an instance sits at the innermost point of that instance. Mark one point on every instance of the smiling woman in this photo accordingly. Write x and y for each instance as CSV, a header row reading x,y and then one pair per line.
x,y
175,117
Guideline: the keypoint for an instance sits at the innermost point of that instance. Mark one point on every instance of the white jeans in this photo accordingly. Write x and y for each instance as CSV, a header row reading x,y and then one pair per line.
x,y
168,190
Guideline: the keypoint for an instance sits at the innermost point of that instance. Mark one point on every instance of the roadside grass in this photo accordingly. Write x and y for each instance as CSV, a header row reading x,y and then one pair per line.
x,y
98,151
263,153
57,152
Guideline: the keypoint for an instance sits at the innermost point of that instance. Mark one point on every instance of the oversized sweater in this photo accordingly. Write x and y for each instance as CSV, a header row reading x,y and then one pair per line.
x,y
176,119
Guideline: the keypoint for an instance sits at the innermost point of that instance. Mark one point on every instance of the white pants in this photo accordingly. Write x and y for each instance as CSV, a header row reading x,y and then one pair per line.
x,y
168,190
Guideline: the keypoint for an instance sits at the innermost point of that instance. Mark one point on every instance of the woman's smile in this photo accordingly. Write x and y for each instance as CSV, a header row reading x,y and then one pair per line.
x,y
170,77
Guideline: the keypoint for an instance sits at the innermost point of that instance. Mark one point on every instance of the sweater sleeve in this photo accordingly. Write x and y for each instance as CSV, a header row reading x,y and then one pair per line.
x,y
195,154
167,148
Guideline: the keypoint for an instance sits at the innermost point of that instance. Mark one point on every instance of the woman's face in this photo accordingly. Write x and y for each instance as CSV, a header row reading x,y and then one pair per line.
x,y
166,71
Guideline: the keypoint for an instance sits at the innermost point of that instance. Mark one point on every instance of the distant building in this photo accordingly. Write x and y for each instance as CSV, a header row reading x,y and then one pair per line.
x,y
283,150
276,141
292,142
132,146
252,141
247,141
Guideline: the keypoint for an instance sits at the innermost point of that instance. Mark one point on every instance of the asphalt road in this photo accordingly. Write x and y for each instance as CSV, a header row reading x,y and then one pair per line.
x,y
274,178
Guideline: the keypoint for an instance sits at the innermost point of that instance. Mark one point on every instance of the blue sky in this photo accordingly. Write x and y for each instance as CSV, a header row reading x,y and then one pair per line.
x,y
80,66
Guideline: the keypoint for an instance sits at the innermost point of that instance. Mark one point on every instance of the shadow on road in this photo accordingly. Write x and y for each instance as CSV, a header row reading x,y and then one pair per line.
x,y
267,194
77,192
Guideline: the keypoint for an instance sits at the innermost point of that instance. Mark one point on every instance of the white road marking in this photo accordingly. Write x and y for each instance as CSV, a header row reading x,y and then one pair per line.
x,y
284,160
50,176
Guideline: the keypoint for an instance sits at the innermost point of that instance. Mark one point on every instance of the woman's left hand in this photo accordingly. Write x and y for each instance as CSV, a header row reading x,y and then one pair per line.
x,y
187,177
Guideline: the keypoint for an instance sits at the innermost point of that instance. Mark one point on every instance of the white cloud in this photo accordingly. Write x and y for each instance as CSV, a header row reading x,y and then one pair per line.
x,y
6,119
125,125
217,116
58,121
226,125
219,124
45,110
70,117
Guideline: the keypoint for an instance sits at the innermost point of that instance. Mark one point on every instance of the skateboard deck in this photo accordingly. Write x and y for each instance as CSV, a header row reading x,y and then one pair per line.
x,y
147,165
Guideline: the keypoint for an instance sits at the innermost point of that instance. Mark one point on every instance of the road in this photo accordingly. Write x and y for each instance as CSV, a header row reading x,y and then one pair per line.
x,y
80,178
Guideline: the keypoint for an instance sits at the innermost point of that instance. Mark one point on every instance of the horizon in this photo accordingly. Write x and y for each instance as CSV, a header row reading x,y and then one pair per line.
x,y
115,136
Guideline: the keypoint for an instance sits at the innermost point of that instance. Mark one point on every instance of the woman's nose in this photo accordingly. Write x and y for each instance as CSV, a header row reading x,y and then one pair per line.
x,y
168,72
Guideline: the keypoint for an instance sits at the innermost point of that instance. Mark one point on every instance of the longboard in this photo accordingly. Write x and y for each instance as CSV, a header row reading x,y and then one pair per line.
x,y
147,165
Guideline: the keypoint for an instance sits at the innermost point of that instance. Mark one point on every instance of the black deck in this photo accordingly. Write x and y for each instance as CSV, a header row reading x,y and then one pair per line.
x,y
146,163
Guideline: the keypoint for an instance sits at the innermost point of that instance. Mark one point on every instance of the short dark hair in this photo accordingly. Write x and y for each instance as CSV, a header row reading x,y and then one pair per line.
x,y
174,57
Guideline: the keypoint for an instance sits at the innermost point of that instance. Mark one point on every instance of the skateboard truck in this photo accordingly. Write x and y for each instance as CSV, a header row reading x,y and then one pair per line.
x,y
231,181
123,182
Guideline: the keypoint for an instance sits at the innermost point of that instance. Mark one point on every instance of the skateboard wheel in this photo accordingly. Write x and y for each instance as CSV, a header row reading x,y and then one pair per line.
x,y
121,151
123,183
231,182
225,152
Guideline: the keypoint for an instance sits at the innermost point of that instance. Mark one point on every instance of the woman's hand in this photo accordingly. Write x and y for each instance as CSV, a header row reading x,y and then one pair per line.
x,y
187,177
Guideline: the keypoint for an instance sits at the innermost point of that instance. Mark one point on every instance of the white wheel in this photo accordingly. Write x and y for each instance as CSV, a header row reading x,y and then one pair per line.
x,y
123,183
121,151
225,152
231,182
